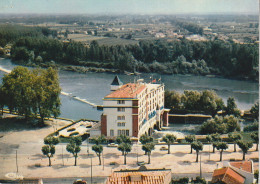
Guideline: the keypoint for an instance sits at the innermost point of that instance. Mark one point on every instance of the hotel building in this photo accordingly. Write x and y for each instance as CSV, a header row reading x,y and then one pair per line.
x,y
133,109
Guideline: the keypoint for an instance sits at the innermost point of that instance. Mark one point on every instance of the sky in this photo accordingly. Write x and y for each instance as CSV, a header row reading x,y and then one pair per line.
x,y
129,6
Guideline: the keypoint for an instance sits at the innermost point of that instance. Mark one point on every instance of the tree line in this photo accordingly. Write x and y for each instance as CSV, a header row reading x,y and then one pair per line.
x,y
148,145
224,58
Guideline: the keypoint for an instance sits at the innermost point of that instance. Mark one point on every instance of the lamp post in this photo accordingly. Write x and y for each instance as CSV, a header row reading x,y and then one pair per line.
x,y
200,167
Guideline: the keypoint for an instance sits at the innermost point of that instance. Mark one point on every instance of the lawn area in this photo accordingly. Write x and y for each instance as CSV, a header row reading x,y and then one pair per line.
x,y
246,136
15,124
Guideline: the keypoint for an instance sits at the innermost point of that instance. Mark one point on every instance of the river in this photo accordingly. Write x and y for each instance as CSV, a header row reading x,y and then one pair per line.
x,y
94,86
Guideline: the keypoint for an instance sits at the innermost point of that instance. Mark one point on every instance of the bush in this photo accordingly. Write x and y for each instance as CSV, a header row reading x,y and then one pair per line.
x,y
251,127
184,180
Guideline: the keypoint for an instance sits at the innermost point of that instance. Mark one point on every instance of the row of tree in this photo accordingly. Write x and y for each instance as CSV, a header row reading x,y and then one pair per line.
x,y
207,102
125,144
31,93
216,57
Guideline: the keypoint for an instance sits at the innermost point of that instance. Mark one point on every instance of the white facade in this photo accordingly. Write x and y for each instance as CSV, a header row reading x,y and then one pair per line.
x,y
133,109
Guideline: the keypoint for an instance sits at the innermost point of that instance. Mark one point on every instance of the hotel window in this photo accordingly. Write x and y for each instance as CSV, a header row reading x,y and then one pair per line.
x,y
111,132
123,132
118,132
120,117
122,124
127,132
121,109
120,102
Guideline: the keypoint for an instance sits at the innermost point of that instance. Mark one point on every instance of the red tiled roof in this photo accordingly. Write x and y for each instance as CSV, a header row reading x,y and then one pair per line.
x,y
246,165
228,176
147,177
129,90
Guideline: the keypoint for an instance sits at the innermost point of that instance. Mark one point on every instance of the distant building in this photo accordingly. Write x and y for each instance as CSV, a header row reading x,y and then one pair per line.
x,y
235,173
133,109
140,176
160,35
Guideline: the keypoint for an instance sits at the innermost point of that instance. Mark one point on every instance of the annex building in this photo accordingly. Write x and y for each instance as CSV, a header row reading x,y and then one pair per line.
x,y
133,109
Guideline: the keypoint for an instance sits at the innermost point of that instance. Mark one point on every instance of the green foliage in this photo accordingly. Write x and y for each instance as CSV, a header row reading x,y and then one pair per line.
x,y
220,125
98,149
221,146
180,56
184,180
255,137
125,148
244,146
123,139
51,140
145,139
197,146
99,140
234,137
49,148
199,180
252,127
190,139
148,147
255,111
32,92
169,139
232,107
194,101
74,147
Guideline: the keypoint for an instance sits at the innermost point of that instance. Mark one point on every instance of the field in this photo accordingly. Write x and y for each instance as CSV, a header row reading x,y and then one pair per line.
x,y
101,40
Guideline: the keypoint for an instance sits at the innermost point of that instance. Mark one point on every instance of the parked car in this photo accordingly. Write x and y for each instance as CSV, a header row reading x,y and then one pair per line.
x,y
141,163
163,148
112,145
80,181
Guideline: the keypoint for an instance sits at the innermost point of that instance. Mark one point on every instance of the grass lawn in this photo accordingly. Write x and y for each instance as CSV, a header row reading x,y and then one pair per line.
x,y
246,136
15,124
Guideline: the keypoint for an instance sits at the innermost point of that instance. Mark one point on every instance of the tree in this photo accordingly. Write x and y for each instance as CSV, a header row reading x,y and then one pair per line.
x,y
98,149
255,138
234,137
74,147
148,147
232,107
32,92
49,148
197,146
255,111
123,139
169,139
99,140
199,180
221,146
244,146
144,139
190,139
215,139
2,99
125,148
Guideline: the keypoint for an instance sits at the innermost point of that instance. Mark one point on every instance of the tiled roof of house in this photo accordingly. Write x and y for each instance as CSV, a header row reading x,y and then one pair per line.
x,y
140,177
129,90
228,176
246,165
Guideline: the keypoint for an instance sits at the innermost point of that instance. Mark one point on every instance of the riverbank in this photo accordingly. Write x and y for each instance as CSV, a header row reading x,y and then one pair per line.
x,y
94,69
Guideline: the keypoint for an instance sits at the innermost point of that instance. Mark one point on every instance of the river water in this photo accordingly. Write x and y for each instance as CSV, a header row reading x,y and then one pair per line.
x,y
94,86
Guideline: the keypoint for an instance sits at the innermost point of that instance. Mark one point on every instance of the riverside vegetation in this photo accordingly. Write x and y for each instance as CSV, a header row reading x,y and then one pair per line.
x,y
40,46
